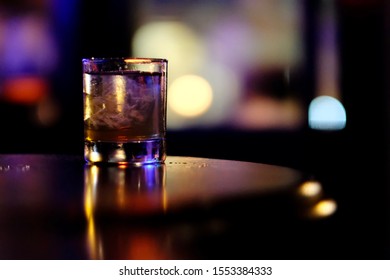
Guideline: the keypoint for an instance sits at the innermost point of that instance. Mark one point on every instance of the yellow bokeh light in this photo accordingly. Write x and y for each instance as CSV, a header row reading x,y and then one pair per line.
x,y
190,96
310,189
324,208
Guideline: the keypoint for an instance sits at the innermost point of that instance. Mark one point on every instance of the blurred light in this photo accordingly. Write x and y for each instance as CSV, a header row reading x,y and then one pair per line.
x,y
324,208
326,113
310,189
225,85
48,112
259,32
222,47
94,246
139,60
171,40
144,246
120,156
190,95
29,46
96,157
25,89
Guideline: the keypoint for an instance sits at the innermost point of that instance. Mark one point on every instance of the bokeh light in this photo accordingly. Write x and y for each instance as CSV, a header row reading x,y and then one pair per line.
x,y
310,189
327,113
190,95
324,208
171,40
222,48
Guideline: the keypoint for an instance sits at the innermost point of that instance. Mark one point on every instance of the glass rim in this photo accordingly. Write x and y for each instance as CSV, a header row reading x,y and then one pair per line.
x,y
125,59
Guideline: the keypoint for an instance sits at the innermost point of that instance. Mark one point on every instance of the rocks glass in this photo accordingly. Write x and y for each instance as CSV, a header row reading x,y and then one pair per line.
x,y
125,110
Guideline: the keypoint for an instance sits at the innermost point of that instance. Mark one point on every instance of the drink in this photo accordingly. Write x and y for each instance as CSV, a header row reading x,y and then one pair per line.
x,y
124,116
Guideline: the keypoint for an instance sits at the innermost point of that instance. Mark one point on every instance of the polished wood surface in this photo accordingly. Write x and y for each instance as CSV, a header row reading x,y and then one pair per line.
x,y
58,207
36,181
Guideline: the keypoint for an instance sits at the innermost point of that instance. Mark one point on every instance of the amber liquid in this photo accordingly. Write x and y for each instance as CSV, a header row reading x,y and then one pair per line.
x,y
123,108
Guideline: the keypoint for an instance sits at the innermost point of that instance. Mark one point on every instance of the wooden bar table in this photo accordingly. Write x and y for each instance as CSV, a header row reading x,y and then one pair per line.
x,y
58,207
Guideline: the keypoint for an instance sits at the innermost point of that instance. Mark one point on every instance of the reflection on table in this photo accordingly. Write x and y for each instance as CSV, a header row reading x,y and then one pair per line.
x,y
58,207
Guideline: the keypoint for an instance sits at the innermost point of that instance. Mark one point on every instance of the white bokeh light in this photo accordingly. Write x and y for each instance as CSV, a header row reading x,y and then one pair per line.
x,y
327,113
171,40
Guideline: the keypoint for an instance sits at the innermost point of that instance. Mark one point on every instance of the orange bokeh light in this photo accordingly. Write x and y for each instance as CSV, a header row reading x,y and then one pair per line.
x,y
25,90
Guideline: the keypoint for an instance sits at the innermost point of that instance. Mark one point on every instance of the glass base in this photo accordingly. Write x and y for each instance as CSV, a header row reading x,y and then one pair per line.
x,y
132,153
